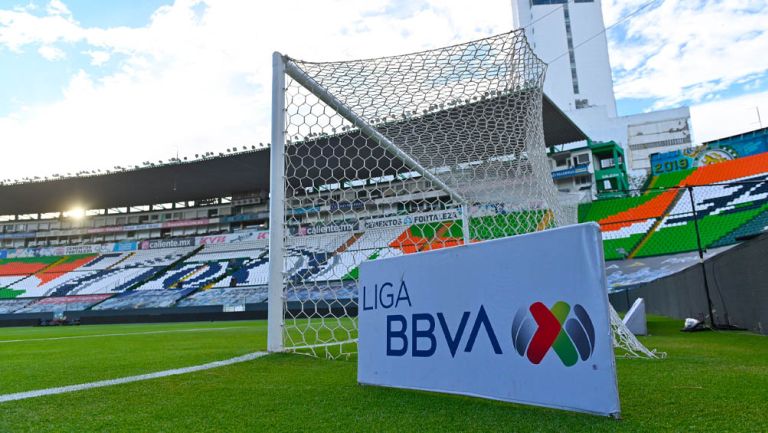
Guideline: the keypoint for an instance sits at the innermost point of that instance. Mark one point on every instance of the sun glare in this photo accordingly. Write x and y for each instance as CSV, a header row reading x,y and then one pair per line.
x,y
75,213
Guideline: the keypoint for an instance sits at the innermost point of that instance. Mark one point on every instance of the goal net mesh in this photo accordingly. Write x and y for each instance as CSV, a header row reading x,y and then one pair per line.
x,y
402,154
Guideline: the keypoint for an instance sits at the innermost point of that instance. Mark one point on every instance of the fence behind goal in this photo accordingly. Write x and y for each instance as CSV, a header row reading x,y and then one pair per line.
x,y
395,155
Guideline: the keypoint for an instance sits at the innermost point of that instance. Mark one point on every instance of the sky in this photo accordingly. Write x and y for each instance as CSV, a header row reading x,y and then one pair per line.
x,y
88,85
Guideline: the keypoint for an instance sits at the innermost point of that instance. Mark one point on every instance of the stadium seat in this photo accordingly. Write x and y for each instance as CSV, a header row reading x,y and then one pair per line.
x,y
136,299
226,297
660,223
8,306
62,304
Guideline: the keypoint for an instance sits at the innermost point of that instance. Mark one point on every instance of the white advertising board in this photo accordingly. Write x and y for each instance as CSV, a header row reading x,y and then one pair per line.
x,y
522,319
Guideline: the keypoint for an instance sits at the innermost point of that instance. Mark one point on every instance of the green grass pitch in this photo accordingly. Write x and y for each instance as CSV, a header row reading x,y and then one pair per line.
x,y
711,381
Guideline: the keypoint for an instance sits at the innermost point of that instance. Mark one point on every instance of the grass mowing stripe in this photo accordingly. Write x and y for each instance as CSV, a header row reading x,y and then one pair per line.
x,y
111,382
121,334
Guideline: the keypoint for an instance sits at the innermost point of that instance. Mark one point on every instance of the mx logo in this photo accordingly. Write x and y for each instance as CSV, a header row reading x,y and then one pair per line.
x,y
569,332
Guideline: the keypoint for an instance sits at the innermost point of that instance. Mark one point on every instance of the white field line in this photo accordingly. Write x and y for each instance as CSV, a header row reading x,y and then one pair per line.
x,y
102,383
169,331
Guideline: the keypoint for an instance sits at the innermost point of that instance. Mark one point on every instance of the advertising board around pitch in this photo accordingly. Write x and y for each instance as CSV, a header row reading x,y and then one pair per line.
x,y
522,319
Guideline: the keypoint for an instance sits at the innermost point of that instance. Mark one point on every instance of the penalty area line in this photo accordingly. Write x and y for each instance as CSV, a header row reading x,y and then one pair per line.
x,y
111,382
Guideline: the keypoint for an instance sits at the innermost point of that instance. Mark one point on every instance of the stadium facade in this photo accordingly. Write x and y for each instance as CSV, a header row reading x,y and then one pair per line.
x,y
570,36
207,259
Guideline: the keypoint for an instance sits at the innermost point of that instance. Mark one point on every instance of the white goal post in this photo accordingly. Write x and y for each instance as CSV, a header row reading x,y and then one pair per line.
x,y
382,157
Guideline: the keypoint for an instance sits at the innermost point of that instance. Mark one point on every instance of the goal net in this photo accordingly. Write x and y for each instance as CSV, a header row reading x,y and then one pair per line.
x,y
395,155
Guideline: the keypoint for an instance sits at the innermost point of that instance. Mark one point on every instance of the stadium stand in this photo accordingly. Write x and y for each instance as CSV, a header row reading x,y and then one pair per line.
x,y
155,258
731,201
311,256
248,272
8,306
193,274
226,297
729,171
756,225
108,281
509,224
235,273
600,209
366,247
232,270
134,299
5,292
216,265
235,250
133,213
62,303
318,293
669,180
129,271
83,274
15,271
60,271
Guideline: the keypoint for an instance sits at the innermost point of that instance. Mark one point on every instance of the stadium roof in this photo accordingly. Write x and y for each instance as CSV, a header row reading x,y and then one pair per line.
x,y
221,176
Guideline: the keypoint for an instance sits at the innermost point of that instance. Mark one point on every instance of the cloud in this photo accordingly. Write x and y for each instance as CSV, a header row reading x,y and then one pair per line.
x,y
20,27
197,77
56,7
51,53
731,116
685,51
98,58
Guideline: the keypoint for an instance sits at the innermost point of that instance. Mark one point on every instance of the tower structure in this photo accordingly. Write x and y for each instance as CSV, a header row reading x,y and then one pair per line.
x,y
569,35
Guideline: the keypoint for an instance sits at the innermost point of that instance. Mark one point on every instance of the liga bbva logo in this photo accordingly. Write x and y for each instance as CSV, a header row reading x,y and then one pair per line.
x,y
570,333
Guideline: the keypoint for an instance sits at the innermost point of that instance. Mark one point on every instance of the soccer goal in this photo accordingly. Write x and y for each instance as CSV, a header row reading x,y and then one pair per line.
x,y
396,155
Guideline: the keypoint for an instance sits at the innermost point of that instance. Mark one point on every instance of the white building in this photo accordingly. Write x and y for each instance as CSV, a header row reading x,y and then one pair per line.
x,y
566,35
656,132
573,170
569,35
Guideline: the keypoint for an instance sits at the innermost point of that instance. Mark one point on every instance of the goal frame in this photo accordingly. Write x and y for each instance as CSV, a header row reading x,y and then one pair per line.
x,y
275,304
463,199
282,66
